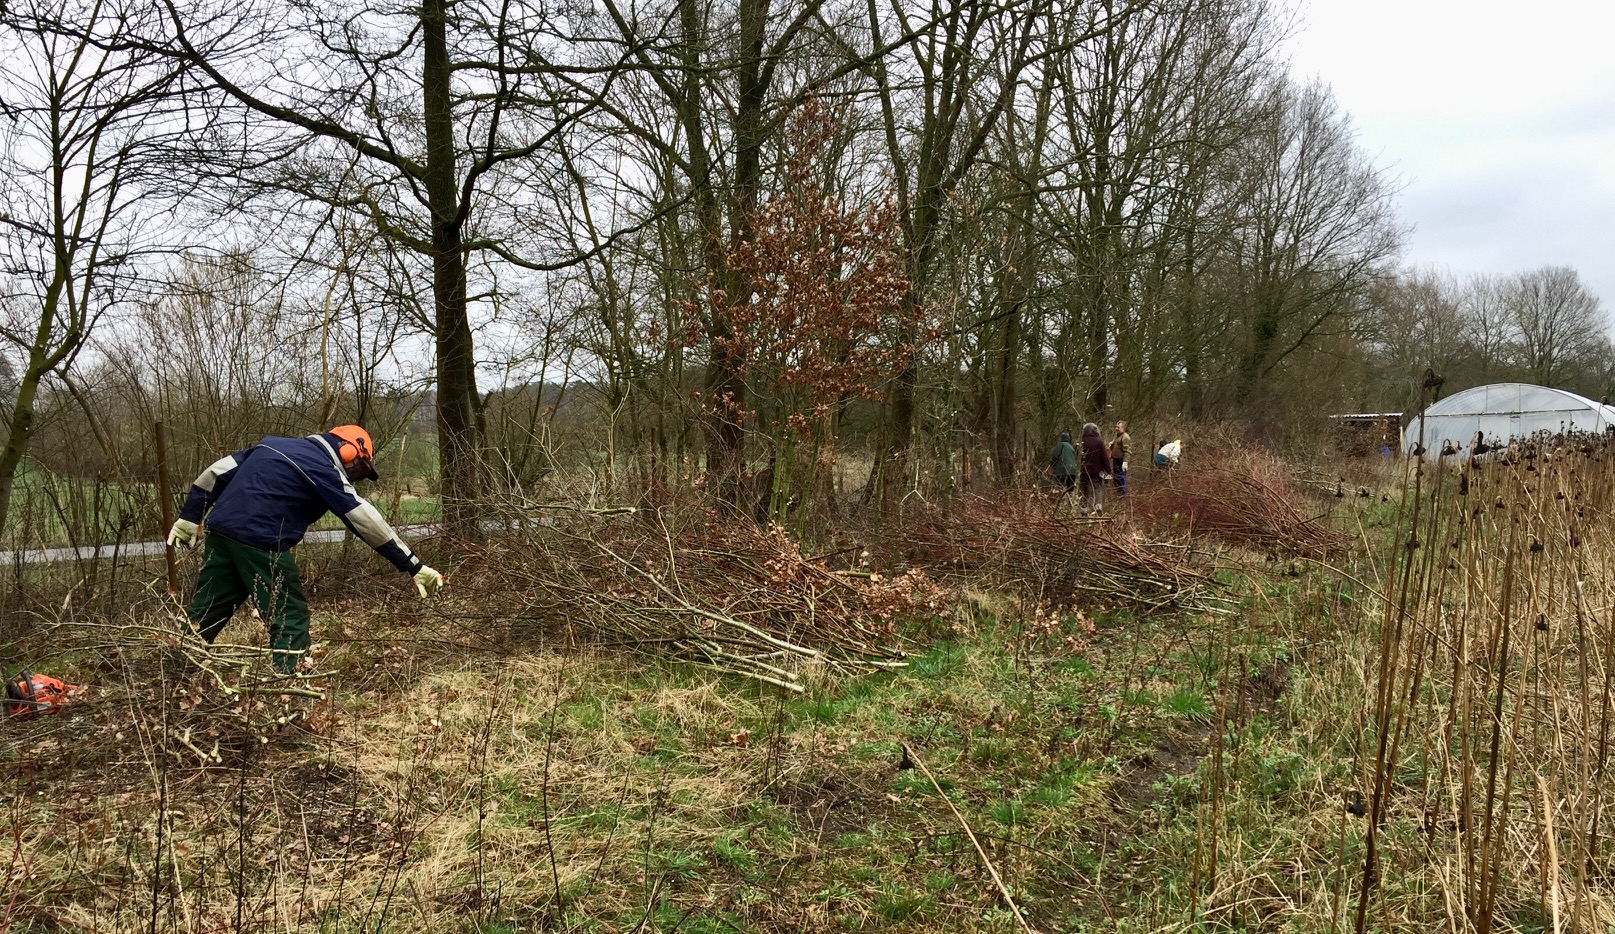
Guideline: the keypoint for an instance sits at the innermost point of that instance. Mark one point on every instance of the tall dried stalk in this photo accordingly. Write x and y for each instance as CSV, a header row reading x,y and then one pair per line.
x,y
1494,680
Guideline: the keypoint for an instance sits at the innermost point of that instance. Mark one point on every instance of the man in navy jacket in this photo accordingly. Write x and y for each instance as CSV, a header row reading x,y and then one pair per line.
x,y
263,500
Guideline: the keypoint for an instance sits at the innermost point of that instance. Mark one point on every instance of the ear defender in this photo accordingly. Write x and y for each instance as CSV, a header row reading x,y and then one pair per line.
x,y
356,450
351,451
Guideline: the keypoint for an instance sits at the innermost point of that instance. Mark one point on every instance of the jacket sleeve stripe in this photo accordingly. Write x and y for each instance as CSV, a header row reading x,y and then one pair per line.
x,y
209,478
366,520
209,484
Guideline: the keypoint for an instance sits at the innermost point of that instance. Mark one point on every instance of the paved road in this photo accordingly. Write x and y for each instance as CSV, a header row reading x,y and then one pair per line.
x,y
126,550
151,549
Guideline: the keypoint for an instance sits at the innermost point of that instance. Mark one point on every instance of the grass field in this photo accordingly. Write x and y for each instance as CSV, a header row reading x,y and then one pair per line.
x,y
592,791
1078,771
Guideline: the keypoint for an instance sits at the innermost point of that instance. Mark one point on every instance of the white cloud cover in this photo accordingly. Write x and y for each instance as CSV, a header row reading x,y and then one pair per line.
x,y
1499,120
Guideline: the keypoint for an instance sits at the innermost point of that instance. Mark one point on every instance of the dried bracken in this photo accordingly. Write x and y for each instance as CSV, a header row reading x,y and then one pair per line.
x,y
1029,543
1243,496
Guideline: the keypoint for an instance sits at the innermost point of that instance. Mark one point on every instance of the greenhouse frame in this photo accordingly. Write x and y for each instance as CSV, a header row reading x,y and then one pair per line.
x,y
1503,412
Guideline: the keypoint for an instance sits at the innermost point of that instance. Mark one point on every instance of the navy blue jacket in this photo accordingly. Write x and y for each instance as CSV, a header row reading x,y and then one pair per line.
x,y
269,494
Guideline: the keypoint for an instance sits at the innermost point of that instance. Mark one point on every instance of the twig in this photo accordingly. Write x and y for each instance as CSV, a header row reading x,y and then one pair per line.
x,y
185,740
992,870
1550,870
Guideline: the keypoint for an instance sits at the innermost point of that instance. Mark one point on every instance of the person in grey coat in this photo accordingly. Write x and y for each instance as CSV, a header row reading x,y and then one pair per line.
x,y
1063,463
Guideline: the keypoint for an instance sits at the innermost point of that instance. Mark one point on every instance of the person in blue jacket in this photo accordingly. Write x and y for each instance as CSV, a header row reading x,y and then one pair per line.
x,y
262,501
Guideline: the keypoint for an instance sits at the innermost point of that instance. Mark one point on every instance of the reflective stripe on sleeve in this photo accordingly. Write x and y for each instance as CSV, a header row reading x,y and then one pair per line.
x,y
368,521
209,478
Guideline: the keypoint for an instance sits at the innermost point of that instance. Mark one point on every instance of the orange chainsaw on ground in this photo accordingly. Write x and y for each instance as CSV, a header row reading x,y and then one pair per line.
x,y
29,695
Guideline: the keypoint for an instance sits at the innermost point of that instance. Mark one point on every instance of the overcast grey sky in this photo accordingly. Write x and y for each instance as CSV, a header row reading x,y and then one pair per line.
x,y
1498,118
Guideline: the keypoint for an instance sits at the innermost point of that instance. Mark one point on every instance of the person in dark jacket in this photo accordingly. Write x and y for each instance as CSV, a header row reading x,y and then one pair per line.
x,y
258,503
1095,467
1063,463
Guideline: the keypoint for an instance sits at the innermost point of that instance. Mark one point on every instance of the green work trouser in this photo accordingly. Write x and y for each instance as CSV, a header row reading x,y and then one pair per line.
x,y
232,572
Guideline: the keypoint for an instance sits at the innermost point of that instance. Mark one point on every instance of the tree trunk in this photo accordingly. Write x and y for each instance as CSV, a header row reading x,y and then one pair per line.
x,y
456,358
41,359
727,444
905,381
17,439
1099,344
1012,298
1193,376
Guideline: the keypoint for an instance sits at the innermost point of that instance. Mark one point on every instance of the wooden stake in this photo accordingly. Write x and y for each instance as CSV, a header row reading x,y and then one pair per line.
x,y
165,504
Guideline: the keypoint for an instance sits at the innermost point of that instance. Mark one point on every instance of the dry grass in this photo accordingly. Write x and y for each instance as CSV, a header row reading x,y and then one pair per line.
x,y
1488,766
568,789
1170,771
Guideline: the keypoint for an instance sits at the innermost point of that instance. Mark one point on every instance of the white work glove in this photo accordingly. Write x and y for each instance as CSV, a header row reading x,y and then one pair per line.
x,y
428,581
183,533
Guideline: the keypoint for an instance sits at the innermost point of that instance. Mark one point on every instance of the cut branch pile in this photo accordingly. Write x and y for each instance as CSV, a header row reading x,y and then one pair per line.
x,y
723,594
1242,496
1024,542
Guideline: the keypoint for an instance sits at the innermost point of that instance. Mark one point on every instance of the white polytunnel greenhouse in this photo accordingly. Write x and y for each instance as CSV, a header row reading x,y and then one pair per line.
x,y
1503,412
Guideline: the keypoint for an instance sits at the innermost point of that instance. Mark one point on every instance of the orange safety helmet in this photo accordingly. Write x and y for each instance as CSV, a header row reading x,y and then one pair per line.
x,y
356,450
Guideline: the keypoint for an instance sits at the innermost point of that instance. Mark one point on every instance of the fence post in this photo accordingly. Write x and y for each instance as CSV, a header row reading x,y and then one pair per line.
x,y
165,503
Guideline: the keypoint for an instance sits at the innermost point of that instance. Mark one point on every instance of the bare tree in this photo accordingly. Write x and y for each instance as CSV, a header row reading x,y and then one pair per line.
x,y
88,123
1409,323
218,355
1151,109
961,75
1490,328
1556,321
1318,231
423,120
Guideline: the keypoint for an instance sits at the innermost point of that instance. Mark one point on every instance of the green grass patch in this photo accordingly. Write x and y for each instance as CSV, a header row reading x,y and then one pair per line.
x,y
1189,703
895,905
1010,813
938,662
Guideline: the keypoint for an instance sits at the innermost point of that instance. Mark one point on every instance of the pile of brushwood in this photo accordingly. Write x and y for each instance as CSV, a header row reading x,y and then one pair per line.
x,y
688,583
1240,495
1034,545
691,582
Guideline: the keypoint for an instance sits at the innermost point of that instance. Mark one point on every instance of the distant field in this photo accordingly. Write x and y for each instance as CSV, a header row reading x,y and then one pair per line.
x,y
51,510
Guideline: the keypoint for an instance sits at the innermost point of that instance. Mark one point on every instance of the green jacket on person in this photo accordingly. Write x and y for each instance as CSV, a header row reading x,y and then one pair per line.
x,y
1064,461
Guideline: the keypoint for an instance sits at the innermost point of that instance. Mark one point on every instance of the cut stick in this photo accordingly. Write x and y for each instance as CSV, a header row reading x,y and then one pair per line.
x,y
993,871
